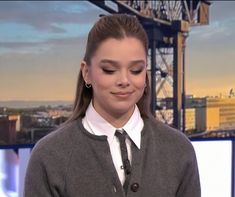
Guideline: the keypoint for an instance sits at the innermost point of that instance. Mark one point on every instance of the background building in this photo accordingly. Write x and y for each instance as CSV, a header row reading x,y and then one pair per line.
x,y
215,113
7,129
190,121
207,119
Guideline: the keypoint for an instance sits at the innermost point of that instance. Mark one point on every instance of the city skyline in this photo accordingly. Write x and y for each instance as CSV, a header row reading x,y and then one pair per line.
x,y
42,44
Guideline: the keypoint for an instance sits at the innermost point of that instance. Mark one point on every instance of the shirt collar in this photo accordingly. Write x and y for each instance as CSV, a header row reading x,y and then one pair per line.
x,y
99,126
134,126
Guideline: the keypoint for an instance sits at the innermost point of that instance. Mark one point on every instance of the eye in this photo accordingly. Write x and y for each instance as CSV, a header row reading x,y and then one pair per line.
x,y
136,72
108,71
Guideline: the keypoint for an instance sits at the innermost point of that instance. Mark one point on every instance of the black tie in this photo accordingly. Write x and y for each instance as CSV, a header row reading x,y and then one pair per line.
x,y
125,160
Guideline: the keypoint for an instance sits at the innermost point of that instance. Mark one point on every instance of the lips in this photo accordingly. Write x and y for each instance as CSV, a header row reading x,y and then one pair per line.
x,y
122,94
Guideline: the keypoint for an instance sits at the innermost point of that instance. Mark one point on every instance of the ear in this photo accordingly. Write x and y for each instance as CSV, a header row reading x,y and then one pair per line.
x,y
85,72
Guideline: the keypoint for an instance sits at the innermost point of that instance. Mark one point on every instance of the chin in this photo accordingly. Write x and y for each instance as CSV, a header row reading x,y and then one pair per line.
x,y
122,109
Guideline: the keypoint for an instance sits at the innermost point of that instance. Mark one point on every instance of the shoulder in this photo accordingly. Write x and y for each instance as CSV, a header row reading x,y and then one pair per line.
x,y
58,143
50,159
170,146
61,134
167,136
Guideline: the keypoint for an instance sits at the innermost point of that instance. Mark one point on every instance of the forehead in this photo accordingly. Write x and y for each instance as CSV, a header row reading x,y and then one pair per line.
x,y
124,49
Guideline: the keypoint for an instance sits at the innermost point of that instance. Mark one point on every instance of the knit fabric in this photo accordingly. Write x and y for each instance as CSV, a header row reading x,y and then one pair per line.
x,y
71,162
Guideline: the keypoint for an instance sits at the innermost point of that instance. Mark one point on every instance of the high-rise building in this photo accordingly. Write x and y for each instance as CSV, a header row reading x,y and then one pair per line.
x,y
190,122
7,130
226,111
216,113
18,121
207,119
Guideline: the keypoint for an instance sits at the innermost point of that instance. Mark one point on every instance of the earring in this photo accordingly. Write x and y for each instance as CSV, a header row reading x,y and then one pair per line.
x,y
87,85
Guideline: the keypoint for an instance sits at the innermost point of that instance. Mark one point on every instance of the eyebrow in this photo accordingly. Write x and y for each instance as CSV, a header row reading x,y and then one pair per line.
x,y
116,63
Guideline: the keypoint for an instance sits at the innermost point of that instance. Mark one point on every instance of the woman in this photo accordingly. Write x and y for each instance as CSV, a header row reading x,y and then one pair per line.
x,y
83,158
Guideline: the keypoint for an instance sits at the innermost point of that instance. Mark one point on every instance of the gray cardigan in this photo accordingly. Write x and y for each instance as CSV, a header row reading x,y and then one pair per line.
x,y
71,162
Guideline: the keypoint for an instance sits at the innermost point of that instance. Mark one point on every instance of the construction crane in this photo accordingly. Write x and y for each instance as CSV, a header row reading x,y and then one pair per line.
x,y
167,24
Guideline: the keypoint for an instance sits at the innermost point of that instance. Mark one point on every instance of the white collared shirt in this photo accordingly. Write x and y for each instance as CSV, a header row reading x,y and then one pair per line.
x,y
97,125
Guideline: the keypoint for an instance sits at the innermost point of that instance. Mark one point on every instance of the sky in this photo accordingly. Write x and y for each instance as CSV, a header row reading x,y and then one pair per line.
x,y
42,44
210,53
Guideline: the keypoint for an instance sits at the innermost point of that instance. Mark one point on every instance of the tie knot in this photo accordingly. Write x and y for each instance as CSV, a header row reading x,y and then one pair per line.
x,y
121,134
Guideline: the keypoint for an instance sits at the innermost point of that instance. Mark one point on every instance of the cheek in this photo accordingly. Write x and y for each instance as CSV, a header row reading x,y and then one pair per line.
x,y
140,82
102,82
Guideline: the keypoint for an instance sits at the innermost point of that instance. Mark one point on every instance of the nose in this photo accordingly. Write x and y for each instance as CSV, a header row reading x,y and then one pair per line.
x,y
123,79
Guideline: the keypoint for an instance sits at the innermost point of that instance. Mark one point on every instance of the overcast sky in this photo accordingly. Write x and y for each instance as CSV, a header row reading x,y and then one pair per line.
x,y
42,44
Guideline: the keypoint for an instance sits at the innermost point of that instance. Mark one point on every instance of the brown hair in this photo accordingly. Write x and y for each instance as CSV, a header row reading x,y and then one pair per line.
x,y
116,26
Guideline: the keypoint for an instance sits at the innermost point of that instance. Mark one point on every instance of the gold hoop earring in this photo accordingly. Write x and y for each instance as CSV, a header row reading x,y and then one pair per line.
x,y
88,85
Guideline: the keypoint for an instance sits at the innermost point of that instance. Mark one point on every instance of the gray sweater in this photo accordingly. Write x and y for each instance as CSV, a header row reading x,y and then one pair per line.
x,y
71,162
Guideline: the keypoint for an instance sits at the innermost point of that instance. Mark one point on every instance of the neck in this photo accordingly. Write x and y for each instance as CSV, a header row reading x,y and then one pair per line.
x,y
118,120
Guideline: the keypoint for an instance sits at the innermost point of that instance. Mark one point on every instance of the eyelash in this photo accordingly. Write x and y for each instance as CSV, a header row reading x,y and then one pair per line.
x,y
108,71
135,72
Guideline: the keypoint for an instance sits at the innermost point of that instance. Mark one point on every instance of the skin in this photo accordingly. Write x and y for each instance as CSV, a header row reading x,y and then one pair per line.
x,y
117,74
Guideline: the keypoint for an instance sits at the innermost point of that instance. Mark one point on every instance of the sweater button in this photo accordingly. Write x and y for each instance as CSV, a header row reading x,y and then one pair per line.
x,y
135,187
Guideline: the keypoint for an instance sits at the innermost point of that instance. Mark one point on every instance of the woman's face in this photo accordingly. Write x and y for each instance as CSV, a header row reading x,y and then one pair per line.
x,y
117,74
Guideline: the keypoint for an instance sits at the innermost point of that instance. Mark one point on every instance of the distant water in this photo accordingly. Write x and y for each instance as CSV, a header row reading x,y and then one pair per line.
x,y
32,104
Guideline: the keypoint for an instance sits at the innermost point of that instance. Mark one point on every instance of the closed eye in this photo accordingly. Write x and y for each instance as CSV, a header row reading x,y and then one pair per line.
x,y
108,71
136,72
